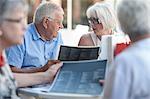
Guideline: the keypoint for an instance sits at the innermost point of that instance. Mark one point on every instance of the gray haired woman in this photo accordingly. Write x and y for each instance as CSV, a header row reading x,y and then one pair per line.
x,y
13,15
129,76
102,20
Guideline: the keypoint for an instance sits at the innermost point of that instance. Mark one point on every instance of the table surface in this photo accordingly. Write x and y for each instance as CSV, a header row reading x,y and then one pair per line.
x,y
50,95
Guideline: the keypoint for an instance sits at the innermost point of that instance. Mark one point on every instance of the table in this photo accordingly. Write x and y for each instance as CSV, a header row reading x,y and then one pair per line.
x,y
30,93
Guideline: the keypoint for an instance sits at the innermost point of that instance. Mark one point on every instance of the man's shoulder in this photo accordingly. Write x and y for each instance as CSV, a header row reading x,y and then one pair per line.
x,y
30,27
29,31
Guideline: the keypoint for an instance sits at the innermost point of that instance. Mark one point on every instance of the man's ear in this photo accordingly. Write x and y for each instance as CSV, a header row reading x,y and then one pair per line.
x,y
45,22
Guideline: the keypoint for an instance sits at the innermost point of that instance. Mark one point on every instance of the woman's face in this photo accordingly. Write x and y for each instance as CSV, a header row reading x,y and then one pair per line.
x,y
97,27
13,27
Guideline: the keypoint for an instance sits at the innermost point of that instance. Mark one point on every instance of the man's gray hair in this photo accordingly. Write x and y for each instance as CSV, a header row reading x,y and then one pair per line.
x,y
134,17
46,9
7,7
105,13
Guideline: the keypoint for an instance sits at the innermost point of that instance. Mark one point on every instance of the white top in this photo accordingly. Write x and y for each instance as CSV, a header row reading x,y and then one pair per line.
x,y
129,77
95,39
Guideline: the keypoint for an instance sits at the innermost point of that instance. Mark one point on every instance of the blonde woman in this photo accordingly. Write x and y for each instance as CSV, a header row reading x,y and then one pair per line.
x,y
102,20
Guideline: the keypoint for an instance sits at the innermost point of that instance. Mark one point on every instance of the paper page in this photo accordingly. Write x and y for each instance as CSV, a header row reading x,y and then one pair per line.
x,y
80,78
70,53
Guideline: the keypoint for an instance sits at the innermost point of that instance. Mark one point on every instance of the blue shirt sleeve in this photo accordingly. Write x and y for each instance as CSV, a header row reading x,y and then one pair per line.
x,y
15,55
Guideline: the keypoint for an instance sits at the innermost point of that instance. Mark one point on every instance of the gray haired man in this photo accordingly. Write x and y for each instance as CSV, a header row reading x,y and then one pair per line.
x,y
41,41
129,76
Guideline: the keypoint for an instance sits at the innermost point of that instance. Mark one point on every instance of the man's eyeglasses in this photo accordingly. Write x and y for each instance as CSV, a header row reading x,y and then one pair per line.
x,y
93,21
57,21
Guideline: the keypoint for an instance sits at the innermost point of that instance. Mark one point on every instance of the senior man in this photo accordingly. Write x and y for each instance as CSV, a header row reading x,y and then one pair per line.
x,y
41,41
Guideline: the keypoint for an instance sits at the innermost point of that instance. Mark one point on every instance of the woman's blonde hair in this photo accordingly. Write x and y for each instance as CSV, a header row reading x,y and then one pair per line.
x,y
105,13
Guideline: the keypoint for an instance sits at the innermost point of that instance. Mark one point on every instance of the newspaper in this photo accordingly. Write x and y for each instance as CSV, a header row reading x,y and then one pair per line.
x,y
80,77
70,53
75,80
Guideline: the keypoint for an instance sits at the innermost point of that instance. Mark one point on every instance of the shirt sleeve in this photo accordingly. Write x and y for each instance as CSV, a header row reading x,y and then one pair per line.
x,y
118,81
15,55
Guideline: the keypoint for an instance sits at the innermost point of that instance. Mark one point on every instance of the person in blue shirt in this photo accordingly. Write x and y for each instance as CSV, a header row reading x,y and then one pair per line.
x,y
41,41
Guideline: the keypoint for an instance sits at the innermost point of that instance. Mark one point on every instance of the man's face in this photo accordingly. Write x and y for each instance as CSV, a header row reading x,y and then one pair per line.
x,y
54,25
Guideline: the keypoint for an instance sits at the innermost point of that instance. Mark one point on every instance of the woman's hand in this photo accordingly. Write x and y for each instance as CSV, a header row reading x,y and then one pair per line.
x,y
102,82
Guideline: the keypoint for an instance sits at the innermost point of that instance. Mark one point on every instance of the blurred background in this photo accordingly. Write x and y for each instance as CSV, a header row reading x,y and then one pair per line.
x,y
75,20
75,10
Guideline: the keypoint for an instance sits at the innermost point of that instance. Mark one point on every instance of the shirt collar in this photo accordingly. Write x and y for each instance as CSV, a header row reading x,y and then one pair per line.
x,y
34,32
37,36
55,39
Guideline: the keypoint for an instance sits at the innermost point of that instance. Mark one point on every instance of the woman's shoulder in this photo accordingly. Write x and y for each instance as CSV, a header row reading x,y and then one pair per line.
x,y
85,36
86,40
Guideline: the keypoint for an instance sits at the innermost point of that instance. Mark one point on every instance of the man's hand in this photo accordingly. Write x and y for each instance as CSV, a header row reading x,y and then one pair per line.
x,y
34,69
49,64
52,70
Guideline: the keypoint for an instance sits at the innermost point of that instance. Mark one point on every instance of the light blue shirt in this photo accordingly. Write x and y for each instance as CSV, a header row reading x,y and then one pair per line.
x,y
34,52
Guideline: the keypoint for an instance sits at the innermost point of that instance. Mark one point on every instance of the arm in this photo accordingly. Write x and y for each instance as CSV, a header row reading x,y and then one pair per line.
x,y
85,40
35,69
25,79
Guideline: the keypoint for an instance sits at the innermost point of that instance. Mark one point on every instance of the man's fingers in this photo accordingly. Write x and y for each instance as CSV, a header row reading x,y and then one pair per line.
x,y
59,65
51,62
55,61
56,66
